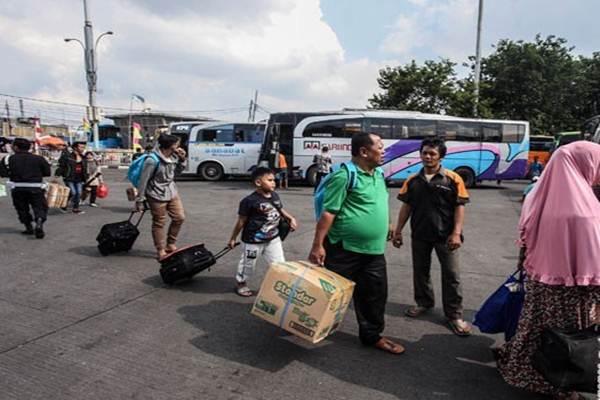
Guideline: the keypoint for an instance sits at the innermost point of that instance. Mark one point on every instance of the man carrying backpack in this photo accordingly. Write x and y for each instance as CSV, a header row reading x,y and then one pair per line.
x,y
26,172
347,245
155,183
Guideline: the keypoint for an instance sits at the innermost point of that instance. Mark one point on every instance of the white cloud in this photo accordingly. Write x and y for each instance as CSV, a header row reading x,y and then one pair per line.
x,y
446,29
184,58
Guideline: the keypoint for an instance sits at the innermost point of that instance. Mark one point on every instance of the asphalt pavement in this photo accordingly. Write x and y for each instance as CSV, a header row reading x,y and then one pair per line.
x,y
76,325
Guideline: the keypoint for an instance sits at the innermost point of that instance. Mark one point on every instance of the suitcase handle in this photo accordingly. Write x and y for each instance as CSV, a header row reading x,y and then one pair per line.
x,y
139,219
225,251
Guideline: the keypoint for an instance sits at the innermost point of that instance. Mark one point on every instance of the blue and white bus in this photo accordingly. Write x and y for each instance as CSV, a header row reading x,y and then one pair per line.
x,y
478,149
218,149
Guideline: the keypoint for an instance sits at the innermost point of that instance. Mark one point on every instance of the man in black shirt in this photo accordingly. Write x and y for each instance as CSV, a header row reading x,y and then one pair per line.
x,y
434,200
26,172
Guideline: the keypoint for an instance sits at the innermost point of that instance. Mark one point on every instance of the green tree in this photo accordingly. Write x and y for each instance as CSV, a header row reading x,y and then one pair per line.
x,y
588,87
533,81
429,88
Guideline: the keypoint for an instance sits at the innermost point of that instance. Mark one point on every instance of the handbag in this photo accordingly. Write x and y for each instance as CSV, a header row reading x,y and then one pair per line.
x,y
284,228
102,191
569,359
501,311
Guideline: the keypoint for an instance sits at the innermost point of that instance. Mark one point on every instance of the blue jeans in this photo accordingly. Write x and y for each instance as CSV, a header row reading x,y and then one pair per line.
x,y
75,194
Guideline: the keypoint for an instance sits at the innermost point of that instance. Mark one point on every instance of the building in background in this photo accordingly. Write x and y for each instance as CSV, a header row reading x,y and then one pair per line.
x,y
150,124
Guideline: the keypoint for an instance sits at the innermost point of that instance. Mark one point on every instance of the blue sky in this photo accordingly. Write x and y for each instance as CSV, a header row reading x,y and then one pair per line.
x,y
208,55
362,25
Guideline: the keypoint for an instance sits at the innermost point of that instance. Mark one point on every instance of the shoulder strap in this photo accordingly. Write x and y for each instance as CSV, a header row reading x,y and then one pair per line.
x,y
352,173
156,159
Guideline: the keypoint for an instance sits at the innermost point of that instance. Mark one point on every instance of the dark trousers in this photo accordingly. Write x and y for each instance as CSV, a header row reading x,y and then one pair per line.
x,y
370,293
93,194
26,198
451,290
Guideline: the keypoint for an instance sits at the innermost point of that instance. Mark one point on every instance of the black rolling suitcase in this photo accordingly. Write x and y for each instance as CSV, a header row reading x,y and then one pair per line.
x,y
186,262
118,236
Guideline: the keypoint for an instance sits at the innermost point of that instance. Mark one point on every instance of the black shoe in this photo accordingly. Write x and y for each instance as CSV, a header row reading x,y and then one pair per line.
x,y
28,229
39,229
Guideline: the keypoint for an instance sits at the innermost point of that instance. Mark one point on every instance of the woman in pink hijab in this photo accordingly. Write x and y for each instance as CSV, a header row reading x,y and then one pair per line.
x,y
560,239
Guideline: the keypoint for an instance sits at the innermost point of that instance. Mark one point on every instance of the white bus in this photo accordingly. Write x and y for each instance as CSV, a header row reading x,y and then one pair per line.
x,y
218,149
478,149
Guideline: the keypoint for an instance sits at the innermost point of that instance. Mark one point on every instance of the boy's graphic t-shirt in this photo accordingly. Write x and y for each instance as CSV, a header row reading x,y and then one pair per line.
x,y
263,215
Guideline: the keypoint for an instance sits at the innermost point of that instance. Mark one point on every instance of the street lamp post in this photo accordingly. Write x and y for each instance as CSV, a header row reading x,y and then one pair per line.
x,y
477,76
89,50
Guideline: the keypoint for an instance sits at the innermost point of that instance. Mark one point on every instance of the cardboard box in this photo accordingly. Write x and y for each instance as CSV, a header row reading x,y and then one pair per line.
x,y
305,300
57,195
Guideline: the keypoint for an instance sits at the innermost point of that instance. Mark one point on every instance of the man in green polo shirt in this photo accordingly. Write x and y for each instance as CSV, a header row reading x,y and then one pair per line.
x,y
351,235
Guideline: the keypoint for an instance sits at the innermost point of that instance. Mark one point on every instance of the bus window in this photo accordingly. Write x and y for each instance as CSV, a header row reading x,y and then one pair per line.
x,y
248,133
378,126
420,129
399,129
219,134
491,132
512,133
326,129
460,130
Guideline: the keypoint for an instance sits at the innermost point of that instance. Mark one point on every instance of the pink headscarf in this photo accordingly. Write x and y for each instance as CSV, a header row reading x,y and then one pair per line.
x,y
560,220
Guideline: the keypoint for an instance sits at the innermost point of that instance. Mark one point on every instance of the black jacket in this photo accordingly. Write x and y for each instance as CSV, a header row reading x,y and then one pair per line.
x,y
25,167
66,168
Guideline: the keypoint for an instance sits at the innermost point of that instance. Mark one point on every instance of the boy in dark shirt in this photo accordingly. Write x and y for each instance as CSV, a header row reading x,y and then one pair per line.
x,y
259,215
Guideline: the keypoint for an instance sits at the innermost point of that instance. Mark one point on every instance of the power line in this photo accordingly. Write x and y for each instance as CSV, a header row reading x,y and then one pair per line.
x,y
64,103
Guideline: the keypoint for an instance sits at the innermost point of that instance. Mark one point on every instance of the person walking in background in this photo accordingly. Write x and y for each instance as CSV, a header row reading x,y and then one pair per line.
x,y
158,190
351,235
535,168
434,200
560,241
259,215
93,178
72,167
137,154
283,172
26,172
323,163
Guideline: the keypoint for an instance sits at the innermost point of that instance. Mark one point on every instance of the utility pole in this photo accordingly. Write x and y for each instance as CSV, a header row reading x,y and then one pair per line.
x,y
90,72
254,106
477,76
89,51
21,108
8,118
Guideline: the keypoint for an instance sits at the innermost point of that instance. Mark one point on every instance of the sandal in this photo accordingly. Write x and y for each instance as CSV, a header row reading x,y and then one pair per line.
x,y
416,311
387,345
170,248
459,327
243,290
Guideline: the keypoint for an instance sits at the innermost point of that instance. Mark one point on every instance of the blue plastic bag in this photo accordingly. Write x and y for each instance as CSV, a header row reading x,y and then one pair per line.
x,y
501,311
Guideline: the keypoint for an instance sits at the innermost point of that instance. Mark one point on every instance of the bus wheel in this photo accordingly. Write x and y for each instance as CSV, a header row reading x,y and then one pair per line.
x,y
311,175
467,176
211,171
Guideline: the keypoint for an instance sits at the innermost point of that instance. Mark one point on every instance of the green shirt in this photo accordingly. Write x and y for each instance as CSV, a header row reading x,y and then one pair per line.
x,y
362,214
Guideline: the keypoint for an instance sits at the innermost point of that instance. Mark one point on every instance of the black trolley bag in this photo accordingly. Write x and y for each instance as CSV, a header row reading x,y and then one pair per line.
x,y
186,262
118,236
